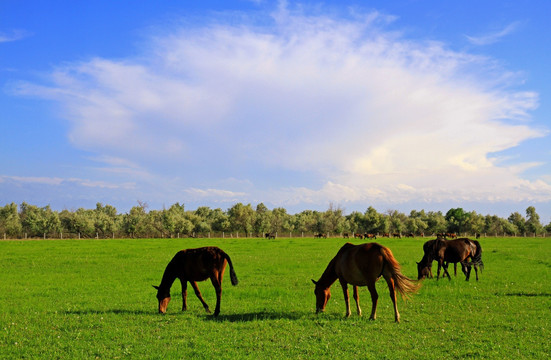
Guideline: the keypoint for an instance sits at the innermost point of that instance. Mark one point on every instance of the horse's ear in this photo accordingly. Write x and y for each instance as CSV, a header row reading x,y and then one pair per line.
x,y
314,281
156,287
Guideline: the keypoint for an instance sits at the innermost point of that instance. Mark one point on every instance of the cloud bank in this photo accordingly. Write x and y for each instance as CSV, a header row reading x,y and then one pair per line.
x,y
302,109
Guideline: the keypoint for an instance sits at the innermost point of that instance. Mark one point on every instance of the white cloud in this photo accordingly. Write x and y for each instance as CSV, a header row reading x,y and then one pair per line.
x,y
57,181
216,195
495,36
13,35
372,115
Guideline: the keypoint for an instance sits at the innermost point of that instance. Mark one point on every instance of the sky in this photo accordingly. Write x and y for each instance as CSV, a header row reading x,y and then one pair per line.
x,y
400,105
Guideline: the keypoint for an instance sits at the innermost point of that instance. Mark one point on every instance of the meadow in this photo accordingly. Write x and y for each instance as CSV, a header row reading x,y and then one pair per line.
x,y
92,299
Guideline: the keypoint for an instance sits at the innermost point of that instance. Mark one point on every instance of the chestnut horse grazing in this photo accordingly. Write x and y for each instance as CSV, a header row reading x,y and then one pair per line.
x,y
195,265
363,265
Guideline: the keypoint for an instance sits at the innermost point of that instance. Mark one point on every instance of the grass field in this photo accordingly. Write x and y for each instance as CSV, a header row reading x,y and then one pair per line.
x,y
86,299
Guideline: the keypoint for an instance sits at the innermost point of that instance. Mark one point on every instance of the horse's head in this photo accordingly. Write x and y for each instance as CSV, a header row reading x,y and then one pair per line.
x,y
322,296
164,299
422,270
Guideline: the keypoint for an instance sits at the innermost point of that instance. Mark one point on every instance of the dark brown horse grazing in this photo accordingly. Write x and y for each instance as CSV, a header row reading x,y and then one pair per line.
x,y
363,265
195,265
450,251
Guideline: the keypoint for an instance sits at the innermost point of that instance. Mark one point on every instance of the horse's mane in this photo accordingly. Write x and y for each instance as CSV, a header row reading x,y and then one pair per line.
x,y
329,275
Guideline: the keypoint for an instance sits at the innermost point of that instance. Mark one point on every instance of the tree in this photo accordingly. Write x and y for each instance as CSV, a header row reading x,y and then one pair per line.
x,y
355,221
373,221
105,219
333,220
280,221
457,220
219,220
263,220
416,222
436,222
307,221
518,221
10,223
135,222
474,223
533,224
494,225
397,221
37,221
241,217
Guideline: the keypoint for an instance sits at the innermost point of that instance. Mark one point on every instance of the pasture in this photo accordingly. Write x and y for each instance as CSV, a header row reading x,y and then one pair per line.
x,y
92,299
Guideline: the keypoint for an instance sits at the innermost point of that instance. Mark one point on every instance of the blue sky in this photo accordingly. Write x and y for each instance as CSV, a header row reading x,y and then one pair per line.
x,y
397,105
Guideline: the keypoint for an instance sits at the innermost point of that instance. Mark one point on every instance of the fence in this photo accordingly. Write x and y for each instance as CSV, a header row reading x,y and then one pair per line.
x,y
229,235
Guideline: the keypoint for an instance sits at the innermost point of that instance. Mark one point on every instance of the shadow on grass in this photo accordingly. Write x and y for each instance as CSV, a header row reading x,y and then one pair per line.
x,y
256,316
245,317
110,311
523,294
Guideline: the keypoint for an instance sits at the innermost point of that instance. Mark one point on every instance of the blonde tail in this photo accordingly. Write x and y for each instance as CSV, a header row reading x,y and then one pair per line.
x,y
402,283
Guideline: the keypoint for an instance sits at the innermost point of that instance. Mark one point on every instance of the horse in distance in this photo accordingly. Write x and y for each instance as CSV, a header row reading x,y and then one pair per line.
x,y
363,265
192,265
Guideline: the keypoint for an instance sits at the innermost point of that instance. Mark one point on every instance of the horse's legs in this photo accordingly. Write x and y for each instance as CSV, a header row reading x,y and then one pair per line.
x,y
357,298
392,289
454,269
346,296
468,274
445,266
374,298
184,294
218,288
198,294
476,271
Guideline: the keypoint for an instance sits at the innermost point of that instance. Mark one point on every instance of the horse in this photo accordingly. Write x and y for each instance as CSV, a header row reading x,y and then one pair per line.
x,y
269,236
195,265
363,265
426,270
450,251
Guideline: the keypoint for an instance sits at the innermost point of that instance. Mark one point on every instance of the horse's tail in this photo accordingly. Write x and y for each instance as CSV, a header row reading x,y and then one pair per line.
x,y
402,283
477,258
233,275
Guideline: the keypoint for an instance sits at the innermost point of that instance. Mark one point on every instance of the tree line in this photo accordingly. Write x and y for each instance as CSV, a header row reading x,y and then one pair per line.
x,y
25,220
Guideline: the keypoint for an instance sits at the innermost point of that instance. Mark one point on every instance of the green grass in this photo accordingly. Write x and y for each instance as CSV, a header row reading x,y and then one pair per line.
x,y
86,299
